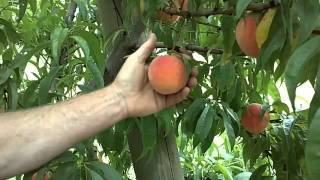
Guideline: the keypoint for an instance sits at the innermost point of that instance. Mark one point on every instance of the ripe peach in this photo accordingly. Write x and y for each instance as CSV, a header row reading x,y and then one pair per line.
x,y
252,120
178,4
246,36
167,74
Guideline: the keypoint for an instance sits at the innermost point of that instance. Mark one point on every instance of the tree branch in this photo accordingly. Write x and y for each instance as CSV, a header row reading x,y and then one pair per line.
x,y
219,11
191,47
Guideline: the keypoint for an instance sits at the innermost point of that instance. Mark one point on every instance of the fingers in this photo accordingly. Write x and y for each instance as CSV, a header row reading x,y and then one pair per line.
x,y
146,48
178,97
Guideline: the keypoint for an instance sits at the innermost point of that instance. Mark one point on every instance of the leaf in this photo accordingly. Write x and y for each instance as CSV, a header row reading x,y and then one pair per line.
x,y
296,64
225,172
241,7
243,176
313,148
67,171
45,85
97,75
229,129
192,114
228,24
95,49
107,171
280,106
165,118
148,130
203,125
57,38
82,8
257,174
83,44
22,9
306,10
10,30
272,46
315,102
94,175
12,95
5,74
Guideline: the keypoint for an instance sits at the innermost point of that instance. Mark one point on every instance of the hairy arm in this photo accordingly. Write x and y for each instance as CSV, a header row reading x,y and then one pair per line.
x,y
30,138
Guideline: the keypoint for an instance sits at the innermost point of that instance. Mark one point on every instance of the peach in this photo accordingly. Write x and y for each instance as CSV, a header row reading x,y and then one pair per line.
x,y
246,36
253,121
167,74
162,16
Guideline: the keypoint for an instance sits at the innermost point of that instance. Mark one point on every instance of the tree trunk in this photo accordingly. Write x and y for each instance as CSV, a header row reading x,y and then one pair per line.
x,y
165,163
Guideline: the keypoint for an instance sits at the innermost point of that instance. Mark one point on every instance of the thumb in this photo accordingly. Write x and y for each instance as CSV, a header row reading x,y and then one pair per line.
x,y
146,48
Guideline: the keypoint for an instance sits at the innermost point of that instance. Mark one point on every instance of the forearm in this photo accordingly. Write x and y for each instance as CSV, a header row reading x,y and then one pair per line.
x,y
32,137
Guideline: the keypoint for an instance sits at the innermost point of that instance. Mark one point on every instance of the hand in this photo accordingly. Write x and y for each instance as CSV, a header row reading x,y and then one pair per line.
x,y
133,84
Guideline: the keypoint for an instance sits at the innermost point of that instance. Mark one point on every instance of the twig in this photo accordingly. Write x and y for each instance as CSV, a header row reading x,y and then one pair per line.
x,y
191,47
219,11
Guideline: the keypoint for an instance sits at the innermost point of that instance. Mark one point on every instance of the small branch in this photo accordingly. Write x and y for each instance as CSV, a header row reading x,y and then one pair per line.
x,y
192,47
316,31
252,7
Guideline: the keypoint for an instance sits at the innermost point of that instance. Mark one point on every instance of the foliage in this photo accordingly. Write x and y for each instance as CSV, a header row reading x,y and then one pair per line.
x,y
46,56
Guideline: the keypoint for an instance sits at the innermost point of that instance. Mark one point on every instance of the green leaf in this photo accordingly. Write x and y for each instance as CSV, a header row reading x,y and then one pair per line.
x,y
22,9
165,118
10,30
204,125
97,75
306,10
257,174
297,62
313,148
67,171
280,106
82,8
107,172
45,85
192,114
229,129
272,46
12,95
243,176
148,129
241,7
83,44
95,48
227,174
5,74
315,102
228,24
57,37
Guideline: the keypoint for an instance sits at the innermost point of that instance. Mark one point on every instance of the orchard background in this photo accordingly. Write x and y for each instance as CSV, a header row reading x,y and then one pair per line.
x,y
52,50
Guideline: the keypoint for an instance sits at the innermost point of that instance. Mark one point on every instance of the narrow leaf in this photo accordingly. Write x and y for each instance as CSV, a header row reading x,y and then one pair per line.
x,y
297,62
45,85
241,7
57,37
204,125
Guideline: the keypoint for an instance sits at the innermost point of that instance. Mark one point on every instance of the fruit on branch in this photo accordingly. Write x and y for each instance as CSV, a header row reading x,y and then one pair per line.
x,y
264,27
178,5
246,36
167,74
255,119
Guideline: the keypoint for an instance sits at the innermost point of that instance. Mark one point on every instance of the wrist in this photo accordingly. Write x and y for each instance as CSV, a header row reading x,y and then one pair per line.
x,y
122,99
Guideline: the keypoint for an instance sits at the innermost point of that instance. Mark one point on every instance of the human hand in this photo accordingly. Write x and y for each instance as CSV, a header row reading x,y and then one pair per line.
x,y
133,84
